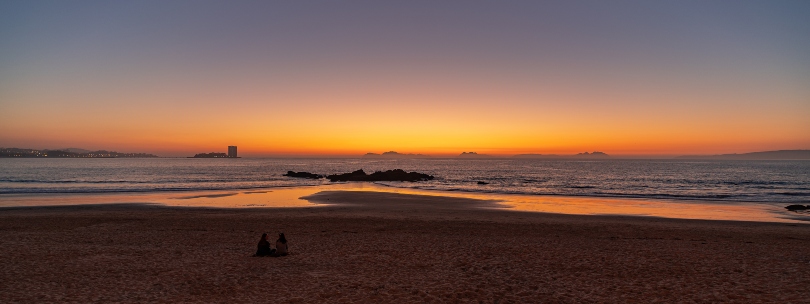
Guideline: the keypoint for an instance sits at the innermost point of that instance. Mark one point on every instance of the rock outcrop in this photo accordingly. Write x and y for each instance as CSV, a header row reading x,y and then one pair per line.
x,y
390,175
797,207
303,175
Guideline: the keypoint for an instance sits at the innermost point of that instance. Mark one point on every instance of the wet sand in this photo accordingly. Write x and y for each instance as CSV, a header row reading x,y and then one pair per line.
x,y
286,197
388,247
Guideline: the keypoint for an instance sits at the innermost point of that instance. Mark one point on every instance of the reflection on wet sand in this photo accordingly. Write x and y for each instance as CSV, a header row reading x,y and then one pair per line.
x,y
416,198
705,210
277,198
206,196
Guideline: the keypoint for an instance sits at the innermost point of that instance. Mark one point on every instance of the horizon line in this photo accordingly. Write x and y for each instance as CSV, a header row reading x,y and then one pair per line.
x,y
411,155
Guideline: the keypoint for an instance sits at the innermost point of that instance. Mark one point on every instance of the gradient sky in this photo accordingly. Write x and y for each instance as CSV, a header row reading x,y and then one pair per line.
x,y
176,78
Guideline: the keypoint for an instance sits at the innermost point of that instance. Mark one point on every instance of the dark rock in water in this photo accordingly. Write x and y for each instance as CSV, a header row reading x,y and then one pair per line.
x,y
797,207
358,175
483,183
303,175
390,175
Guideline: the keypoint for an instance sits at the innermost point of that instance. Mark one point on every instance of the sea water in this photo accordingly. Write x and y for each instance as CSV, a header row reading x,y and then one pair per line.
x,y
715,180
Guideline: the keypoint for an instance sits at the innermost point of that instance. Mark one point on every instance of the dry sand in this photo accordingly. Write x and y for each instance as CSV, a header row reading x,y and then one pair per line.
x,y
385,247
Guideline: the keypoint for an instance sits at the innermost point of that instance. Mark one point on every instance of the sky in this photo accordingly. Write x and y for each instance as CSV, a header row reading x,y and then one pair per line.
x,y
308,78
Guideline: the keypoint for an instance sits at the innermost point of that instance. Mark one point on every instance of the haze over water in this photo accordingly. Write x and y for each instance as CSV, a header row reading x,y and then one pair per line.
x,y
721,181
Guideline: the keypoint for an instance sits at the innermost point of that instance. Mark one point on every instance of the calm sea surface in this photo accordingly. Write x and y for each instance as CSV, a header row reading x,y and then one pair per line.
x,y
747,181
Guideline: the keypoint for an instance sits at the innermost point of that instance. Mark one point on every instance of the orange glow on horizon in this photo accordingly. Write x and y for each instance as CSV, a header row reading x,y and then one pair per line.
x,y
350,120
501,137
352,116
295,79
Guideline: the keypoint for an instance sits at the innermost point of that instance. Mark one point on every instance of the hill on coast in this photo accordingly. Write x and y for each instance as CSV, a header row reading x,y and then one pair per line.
x,y
764,155
69,153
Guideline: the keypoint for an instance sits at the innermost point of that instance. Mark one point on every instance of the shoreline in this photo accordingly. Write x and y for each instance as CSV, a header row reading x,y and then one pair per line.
x,y
395,188
291,197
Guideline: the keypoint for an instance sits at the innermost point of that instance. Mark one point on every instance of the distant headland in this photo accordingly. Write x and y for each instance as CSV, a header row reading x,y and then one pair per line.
x,y
765,155
69,153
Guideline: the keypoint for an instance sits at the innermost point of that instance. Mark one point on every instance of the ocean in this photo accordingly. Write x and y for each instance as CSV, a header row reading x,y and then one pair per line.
x,y
714,180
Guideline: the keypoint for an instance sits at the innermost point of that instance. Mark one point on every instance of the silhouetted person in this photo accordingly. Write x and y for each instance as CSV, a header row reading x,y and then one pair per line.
x,y
281,245
264,247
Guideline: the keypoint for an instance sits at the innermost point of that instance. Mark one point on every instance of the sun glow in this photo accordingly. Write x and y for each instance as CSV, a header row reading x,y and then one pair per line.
x,y
351,84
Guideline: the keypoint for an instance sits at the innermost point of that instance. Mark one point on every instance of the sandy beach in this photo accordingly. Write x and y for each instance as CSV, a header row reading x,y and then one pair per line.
x,y
366,247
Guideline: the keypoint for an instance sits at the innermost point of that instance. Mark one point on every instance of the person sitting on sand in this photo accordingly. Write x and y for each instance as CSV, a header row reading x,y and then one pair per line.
x,y
264,247
281,245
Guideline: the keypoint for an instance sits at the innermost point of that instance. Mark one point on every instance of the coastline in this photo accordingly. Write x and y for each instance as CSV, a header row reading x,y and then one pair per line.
x,y
367,246
299,196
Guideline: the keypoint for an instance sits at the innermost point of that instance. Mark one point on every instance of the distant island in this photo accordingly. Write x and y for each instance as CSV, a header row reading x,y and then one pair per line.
x,y
231,154
69,153
592,155
764,155
473,155
210,155
394,154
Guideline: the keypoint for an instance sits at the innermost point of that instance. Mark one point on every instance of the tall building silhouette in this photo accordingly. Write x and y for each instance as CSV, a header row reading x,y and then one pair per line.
x,y
232,151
